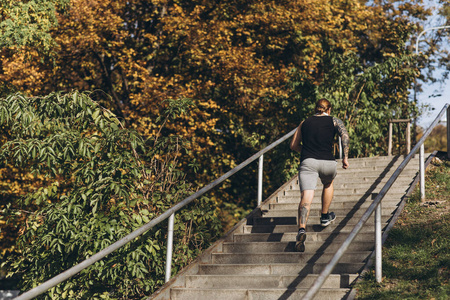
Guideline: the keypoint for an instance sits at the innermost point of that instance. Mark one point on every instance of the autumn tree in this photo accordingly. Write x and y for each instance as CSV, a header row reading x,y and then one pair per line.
x,y
251,68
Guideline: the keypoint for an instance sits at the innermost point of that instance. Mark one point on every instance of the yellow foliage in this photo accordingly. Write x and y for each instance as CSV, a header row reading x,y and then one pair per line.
x,y
232,58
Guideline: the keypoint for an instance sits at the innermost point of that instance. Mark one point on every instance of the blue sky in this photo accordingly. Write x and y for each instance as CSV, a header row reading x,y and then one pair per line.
x,y
436,102
434,95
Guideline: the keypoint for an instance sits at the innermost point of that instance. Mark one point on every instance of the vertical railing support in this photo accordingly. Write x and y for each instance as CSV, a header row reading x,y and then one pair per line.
x,y
448,132
260,178
408,137
378,244
422,172
390,139
169,247
340,148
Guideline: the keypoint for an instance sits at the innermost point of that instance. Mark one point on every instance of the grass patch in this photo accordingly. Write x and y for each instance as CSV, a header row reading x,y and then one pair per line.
x,y
416,255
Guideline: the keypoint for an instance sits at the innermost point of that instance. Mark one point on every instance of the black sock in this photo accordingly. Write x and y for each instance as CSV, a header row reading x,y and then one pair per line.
x,y
325,216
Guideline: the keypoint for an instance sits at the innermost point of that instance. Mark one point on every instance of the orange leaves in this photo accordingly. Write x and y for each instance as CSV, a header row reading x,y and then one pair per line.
x,y
20,72
232,58
85,23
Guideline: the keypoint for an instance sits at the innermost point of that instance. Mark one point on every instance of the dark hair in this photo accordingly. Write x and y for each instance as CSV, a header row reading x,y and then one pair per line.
x,y
322,106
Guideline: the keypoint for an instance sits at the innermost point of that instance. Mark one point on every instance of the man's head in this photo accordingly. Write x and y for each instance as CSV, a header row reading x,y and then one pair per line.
x,y
323,106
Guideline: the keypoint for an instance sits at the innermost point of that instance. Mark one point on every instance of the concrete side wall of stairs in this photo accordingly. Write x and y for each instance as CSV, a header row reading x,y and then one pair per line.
x,y
256,259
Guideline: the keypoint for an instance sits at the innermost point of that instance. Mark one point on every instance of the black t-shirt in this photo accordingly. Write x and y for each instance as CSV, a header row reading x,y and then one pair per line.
x,y
317,138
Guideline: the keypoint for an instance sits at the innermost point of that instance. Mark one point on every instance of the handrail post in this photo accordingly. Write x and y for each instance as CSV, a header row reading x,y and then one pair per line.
x,y
422,172
448,132
260,178
378,244
408,137
340,148
169,247
390,139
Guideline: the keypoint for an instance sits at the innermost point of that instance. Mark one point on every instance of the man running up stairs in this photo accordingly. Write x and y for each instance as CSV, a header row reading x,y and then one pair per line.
x,y
257,258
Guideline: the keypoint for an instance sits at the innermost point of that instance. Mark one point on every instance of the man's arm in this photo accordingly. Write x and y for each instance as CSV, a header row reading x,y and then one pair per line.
x,y
297,139
343,133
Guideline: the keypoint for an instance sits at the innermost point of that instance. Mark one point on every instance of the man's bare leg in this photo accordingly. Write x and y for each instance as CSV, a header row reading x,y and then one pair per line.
x,y
327,196
303,213
305,207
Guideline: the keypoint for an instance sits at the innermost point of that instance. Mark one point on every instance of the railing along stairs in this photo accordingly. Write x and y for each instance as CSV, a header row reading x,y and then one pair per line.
x,y
169,214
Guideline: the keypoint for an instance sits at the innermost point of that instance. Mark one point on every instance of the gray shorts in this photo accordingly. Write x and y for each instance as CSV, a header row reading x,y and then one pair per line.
x,y
311,169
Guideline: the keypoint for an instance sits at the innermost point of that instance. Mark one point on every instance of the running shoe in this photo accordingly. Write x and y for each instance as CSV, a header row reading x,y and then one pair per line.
x,y
300,244
326,220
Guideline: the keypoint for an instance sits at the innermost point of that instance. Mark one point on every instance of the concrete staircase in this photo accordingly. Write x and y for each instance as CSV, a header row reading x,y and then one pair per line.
x,y
256,259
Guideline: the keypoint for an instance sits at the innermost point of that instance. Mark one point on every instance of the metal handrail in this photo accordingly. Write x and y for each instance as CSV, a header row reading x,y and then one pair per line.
x,y
99,255
340,252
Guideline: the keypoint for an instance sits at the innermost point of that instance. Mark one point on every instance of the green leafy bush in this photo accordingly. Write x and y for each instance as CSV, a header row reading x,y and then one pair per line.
x,y
102,182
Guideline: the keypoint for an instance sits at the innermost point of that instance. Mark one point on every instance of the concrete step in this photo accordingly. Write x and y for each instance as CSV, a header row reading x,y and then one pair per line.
x,y
312,246
365,177
352,200
309,228
346,205
290,237
355,164
389,163
311,220
253,294
316,212
369,177
363,180
277,269
266,281
286,257
342,183
339,198
379,170
345,192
